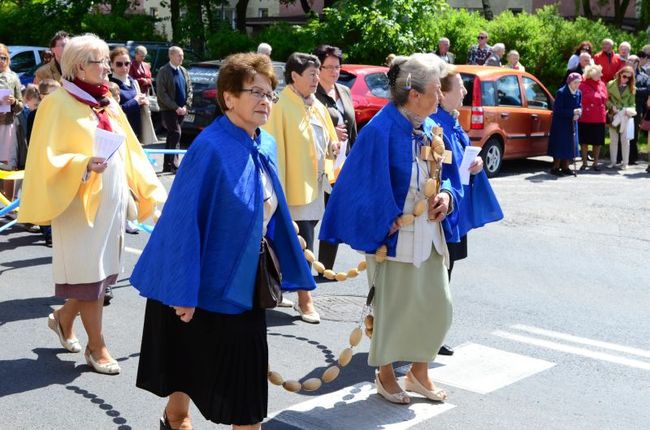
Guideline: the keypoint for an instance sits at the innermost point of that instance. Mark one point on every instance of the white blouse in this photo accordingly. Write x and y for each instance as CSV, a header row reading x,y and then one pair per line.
x,y
270,200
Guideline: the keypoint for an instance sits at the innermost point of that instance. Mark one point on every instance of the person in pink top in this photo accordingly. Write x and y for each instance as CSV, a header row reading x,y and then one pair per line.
x,y
609,60
141,70
591,126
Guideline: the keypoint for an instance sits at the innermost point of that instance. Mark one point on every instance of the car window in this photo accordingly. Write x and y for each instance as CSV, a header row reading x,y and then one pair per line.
x,y
279,73
378,85
203,76
468,83
488,94
23,61
508,92
347,79
535,95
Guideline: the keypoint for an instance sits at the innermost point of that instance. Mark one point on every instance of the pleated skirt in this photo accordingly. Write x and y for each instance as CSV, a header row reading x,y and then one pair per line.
x,y
219,360
412,309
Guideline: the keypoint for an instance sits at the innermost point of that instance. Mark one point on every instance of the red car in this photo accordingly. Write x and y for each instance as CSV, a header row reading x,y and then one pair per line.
x,y
369,87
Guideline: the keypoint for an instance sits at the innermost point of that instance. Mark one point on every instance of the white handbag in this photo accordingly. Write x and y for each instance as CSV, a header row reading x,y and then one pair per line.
x,y
153,100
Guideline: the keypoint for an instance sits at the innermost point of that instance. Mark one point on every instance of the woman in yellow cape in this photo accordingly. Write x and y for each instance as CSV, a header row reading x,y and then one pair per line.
x,y
83,196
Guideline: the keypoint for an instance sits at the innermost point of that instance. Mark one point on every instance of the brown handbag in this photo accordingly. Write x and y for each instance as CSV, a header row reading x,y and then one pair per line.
x,y
268,282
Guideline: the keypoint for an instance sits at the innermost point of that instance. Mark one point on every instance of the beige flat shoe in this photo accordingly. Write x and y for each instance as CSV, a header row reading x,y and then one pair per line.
x,y
413,385
71,345
286,303
309,317
400,398
110,368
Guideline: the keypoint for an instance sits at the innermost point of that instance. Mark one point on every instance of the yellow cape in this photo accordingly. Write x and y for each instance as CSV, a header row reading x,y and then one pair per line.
x,y
61,145
290,126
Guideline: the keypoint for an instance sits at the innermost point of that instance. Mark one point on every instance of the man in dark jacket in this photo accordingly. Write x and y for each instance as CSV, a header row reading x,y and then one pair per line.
x,y
642,83
174,92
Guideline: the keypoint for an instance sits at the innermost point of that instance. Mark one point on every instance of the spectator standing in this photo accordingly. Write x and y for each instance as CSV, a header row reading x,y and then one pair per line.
x,y
480,52
174,91
141,70
338,101
608,60
584,46
131,98
584,61
264,49
562,142
591,125
621,104
31,99
642,83
83,196
494,60
624,50
443,51
307,144
513,61
52,69
14,101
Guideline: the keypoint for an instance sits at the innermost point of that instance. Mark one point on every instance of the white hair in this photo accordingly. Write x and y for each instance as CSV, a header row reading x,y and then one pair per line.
x,y
264,48
443,40
79,51
625,45
176,49
141,50
607,40
499,47
585,55
414,72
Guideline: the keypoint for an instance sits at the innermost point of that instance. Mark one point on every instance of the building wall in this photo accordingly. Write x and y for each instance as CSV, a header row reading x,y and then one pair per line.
x,y
568,8
295,9
498,6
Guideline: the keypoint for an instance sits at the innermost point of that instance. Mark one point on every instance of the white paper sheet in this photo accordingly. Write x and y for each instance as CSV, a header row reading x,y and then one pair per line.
x,y
106,143
4,92
471,152
340,159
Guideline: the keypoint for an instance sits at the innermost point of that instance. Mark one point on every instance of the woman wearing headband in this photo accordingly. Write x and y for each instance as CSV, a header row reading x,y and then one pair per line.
x,y
383,178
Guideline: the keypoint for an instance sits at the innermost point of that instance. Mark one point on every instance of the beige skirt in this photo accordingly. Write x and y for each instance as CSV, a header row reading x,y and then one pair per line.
x,y
412,309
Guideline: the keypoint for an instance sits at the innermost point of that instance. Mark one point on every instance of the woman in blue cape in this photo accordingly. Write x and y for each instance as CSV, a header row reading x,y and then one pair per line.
x,y
479,205
382,179
563,141
204,339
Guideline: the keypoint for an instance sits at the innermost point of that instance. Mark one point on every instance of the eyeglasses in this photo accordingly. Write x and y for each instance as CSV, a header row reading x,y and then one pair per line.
x,y
482,37
260,94
331,68
122,63
103,62
4,58
626,77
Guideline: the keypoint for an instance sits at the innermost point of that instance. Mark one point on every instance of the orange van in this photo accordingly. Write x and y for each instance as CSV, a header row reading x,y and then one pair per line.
x,y
506,112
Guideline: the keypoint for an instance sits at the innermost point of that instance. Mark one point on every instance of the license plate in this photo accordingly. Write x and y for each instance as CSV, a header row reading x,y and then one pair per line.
x,y
189,117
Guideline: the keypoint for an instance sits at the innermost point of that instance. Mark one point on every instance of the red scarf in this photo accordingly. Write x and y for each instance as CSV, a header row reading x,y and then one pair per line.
x,y
101,94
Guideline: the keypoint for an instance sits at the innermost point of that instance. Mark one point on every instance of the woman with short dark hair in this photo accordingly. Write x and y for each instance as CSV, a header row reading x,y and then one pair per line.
x,y
204,336
131,98
338,101
307,143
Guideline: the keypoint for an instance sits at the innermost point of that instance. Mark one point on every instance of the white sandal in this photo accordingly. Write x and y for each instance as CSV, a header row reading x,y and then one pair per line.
x,y
110,368
400,398
71,345
412,384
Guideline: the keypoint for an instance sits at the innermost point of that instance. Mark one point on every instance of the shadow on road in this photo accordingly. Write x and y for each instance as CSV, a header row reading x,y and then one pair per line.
x,y
27,309
20,264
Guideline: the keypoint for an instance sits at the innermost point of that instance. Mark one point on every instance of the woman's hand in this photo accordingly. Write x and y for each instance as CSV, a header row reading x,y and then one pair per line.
x,y
396,226
439,206
97,165
143,100
185,314
476,166
335,148
341,132
9,100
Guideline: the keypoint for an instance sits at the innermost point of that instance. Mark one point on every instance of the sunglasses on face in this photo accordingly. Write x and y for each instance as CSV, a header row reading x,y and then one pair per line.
x,y
122,63
482,37
626,76
4,58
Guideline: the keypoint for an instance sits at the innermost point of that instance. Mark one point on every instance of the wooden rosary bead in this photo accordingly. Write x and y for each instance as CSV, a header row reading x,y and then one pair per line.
x,y
303,243
330,374
310,256
345,357
429,188
292,386
275,378
381,253
311,384
355,337
329,274
369,322
362,266
353,273
420,207
295,226
318,266
369,333
406,219
341,276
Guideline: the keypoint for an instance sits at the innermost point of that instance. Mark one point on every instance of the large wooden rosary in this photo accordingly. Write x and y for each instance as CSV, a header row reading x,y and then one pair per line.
x,y
434,155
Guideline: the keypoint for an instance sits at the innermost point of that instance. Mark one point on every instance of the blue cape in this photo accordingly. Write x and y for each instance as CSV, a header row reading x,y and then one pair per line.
x,y
479,205
371,189
205,247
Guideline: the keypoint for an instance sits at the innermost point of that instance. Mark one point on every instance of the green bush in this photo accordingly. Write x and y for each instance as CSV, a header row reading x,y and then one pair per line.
x,y
226,41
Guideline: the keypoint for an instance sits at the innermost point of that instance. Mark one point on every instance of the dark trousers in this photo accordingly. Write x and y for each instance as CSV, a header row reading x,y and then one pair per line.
x,y
306,230
172,123
327,251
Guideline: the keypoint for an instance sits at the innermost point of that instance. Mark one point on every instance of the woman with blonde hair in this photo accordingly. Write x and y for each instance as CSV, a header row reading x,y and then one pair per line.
x,y
79,183
383,178
513,61
591,125
621,105
8,139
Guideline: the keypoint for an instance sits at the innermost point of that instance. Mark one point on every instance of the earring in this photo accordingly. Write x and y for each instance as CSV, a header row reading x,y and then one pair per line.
x,y
83,78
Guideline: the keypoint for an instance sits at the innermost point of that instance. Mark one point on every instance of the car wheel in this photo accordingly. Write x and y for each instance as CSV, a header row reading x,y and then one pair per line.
x,y
492,154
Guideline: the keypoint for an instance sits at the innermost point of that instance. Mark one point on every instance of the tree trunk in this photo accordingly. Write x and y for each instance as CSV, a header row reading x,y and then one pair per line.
x,y
487,10
174,9
306,7
240,10
620,7
328,3
586,9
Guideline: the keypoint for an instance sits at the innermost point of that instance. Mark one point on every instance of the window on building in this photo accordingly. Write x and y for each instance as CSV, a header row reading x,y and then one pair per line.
x,y
263,12
153,11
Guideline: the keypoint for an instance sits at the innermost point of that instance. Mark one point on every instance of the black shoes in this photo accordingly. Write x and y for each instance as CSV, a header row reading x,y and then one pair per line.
x,y
555,172
446,350
108,296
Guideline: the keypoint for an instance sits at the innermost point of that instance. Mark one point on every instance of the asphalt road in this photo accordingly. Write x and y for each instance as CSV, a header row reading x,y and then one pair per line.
x,y
550,327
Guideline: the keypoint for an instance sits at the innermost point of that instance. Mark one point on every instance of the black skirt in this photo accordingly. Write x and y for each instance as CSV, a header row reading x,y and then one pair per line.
x,y
591,133
220,361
